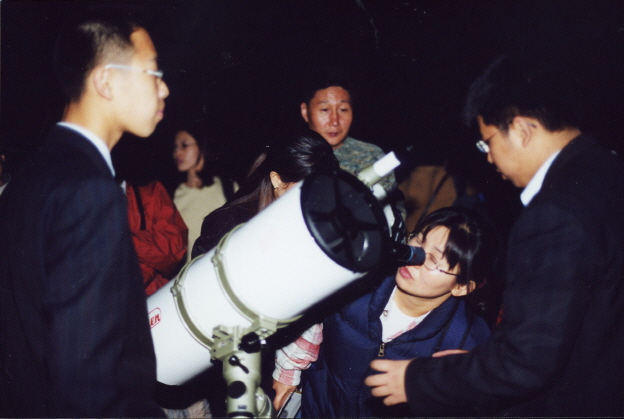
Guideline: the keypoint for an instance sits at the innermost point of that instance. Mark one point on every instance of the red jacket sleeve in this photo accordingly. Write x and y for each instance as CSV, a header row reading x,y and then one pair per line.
x,y
162,244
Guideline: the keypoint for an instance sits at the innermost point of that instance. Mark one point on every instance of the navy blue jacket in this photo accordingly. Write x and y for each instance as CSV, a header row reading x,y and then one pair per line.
x,y
334,386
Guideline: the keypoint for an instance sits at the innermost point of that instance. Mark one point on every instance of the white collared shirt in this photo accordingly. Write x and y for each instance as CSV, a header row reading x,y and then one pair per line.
x,y
97,142
535,184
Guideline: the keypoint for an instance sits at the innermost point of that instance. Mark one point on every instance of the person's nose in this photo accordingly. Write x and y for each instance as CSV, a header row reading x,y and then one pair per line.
x,y
334,119
163,89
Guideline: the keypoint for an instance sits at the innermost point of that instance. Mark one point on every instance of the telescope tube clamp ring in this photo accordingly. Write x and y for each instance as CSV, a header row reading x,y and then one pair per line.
x,y
179,297
257,320
264,326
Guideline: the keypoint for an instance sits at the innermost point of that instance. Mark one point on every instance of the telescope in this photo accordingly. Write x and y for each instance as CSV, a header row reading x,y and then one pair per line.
x,y
324,233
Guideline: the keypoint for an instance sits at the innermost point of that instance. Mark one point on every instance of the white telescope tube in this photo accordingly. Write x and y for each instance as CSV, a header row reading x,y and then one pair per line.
x,y
302,248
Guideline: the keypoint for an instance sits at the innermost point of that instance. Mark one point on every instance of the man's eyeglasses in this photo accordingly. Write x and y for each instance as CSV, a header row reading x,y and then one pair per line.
x,y
156,73
484,145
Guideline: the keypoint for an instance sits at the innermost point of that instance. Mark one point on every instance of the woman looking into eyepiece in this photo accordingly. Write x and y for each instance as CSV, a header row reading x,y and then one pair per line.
x,y
420,311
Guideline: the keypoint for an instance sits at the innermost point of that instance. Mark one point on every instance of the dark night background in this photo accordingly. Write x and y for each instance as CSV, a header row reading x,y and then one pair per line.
x,y
237,66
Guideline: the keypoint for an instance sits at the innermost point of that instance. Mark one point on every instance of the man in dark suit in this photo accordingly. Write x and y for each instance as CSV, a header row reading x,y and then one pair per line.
x,y
559,351
75,339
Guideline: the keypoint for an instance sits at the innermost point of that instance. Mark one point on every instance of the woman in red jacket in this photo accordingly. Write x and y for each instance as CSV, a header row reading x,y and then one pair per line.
x,y
158,233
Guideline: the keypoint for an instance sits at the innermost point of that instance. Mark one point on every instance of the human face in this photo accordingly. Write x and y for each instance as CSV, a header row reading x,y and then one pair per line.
x,y
505,152
329,113
140,97
421,283
186,153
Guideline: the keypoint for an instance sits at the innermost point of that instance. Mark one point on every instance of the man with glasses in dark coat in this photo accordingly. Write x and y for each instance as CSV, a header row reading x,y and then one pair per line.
x,y
559,350
73,317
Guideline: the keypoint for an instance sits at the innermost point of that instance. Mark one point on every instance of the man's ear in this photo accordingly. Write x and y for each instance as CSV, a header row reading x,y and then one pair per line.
x,y
100,78
525,128
304,112
463,289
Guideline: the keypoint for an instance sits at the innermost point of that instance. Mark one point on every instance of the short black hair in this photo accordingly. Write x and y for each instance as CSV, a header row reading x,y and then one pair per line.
x,y
321,78
472,243
96,34
517,84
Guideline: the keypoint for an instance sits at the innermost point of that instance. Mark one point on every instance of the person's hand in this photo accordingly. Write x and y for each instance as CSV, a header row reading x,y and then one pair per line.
x,y
282,391
448,352
390,384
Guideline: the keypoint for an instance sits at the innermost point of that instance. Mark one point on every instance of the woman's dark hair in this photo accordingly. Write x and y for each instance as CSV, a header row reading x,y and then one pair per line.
x,y
471,244
293,159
